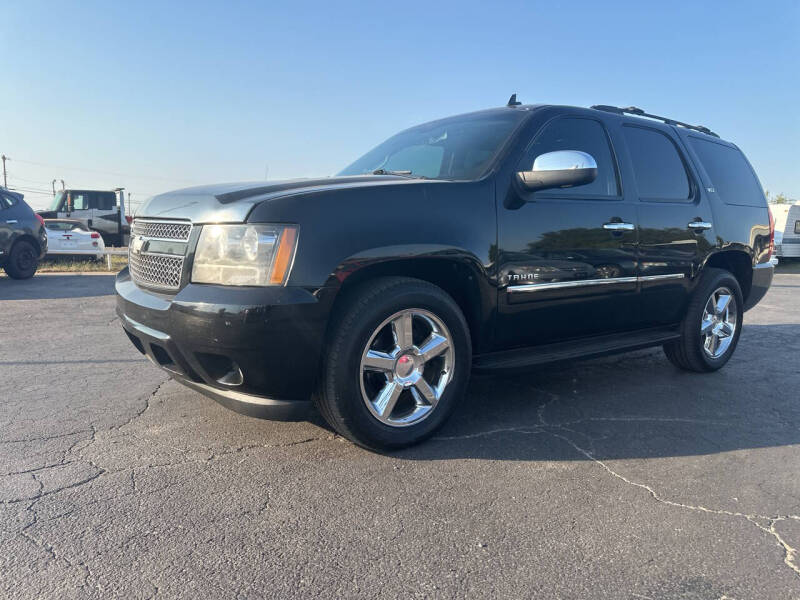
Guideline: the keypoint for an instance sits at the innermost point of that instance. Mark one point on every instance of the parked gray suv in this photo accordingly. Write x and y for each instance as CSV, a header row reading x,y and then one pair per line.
x,y
23,237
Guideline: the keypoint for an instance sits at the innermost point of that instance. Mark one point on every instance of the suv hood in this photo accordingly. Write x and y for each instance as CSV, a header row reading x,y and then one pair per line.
x,y
232,202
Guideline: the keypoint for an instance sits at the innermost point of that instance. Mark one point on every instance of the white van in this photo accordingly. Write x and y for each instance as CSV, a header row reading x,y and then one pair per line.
x,y
788,245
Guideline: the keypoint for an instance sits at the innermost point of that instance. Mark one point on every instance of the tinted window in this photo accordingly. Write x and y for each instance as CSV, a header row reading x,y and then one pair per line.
x,y
7,201
730,174
659,170
103,200
585,135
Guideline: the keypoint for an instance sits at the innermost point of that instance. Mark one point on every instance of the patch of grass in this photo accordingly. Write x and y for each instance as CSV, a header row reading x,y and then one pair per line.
x,y
66,264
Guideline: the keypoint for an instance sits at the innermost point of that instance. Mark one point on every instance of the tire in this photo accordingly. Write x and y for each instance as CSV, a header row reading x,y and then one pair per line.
x,y
355,385
694,351
23,260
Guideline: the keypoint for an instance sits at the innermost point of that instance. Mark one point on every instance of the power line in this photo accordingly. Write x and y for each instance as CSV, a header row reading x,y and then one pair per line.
x,y
11,175
34,192
115,174
30,189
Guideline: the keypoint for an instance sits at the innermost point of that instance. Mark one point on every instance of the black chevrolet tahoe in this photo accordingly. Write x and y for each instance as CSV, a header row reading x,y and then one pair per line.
x,y
504,238
23,237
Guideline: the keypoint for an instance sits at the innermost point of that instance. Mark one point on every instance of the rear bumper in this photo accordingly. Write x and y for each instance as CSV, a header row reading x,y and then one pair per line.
x,y
762,279
254,350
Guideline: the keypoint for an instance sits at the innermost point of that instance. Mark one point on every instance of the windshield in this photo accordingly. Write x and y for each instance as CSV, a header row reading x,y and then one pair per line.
x,y
56,201
455,148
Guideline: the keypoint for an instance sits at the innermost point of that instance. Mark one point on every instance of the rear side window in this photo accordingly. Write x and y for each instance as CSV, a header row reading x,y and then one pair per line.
x,y
7,201
659,170
585,135
103,200
730,173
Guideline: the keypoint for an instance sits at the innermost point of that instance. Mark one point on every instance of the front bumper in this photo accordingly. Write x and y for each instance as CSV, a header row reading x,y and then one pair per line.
x,y
254,350
762,279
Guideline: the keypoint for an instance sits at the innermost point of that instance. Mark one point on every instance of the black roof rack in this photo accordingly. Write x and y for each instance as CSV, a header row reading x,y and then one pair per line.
x,y
632,110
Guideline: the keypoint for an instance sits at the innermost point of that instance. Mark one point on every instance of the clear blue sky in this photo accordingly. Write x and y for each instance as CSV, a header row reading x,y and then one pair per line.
x,y
171,94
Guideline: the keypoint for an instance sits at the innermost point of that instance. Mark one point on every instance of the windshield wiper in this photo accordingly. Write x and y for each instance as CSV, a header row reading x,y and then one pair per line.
x,y
385,172
398,173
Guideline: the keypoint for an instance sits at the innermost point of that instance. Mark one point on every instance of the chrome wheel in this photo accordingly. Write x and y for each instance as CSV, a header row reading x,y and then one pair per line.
x,y
406,366
720,317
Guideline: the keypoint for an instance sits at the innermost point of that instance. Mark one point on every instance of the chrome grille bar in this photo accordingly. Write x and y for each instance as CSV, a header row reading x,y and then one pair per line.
x,y
162,230
155,269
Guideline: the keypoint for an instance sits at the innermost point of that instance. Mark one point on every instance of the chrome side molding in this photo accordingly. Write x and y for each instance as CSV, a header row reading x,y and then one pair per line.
x,y
535,287
659,277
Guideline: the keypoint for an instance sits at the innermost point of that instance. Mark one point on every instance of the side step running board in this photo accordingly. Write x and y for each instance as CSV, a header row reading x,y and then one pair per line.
x,y
575,349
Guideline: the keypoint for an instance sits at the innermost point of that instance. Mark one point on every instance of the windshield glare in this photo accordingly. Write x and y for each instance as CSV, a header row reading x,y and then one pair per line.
x,y
455,148
56,201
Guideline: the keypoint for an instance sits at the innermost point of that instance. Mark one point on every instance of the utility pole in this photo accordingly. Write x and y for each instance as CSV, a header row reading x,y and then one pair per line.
x,y
5,180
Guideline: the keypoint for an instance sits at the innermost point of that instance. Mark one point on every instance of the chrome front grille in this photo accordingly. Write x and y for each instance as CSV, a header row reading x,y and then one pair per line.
x,y
155,267
161,230
156,270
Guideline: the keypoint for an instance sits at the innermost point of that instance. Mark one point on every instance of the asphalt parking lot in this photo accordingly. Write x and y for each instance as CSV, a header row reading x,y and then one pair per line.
x,y
616,478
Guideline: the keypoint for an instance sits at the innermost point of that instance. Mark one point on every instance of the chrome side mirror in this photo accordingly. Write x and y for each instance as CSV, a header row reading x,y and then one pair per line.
x,y
559,169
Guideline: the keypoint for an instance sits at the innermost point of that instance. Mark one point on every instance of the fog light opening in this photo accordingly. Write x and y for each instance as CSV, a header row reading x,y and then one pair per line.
x,y
232,377
221,369
137,343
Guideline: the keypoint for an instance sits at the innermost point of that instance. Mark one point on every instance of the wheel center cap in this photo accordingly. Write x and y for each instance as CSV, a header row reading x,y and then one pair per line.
x,y
404,366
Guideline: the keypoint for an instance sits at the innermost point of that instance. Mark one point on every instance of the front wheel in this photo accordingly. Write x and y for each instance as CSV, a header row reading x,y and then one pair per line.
x,y
23,260
712,325
397,361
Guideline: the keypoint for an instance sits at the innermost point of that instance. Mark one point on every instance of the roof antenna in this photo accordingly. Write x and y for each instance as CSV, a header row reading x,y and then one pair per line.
x,y
513,100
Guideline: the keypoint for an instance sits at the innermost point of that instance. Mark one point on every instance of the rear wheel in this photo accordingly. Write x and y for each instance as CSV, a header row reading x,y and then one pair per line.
x,y
397,362
22,260
712,325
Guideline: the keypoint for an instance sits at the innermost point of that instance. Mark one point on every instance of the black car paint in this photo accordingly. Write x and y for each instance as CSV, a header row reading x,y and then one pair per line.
x,y
473,238
17,222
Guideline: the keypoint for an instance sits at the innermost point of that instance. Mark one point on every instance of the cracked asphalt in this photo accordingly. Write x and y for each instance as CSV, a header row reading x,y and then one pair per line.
x,y
616,478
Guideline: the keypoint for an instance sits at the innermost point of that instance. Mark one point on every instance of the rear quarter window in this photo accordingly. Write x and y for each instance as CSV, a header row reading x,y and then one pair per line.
x,y
7,201
730,173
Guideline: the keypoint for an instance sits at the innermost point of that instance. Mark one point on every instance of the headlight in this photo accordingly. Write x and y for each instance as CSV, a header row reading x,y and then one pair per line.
x,y
244,254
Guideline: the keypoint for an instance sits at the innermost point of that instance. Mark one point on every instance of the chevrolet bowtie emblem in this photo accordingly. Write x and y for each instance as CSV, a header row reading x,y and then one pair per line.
x,y
136,245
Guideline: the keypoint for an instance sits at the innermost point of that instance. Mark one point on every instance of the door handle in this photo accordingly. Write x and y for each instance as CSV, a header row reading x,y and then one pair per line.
x,y
699,225
11,221
619,226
